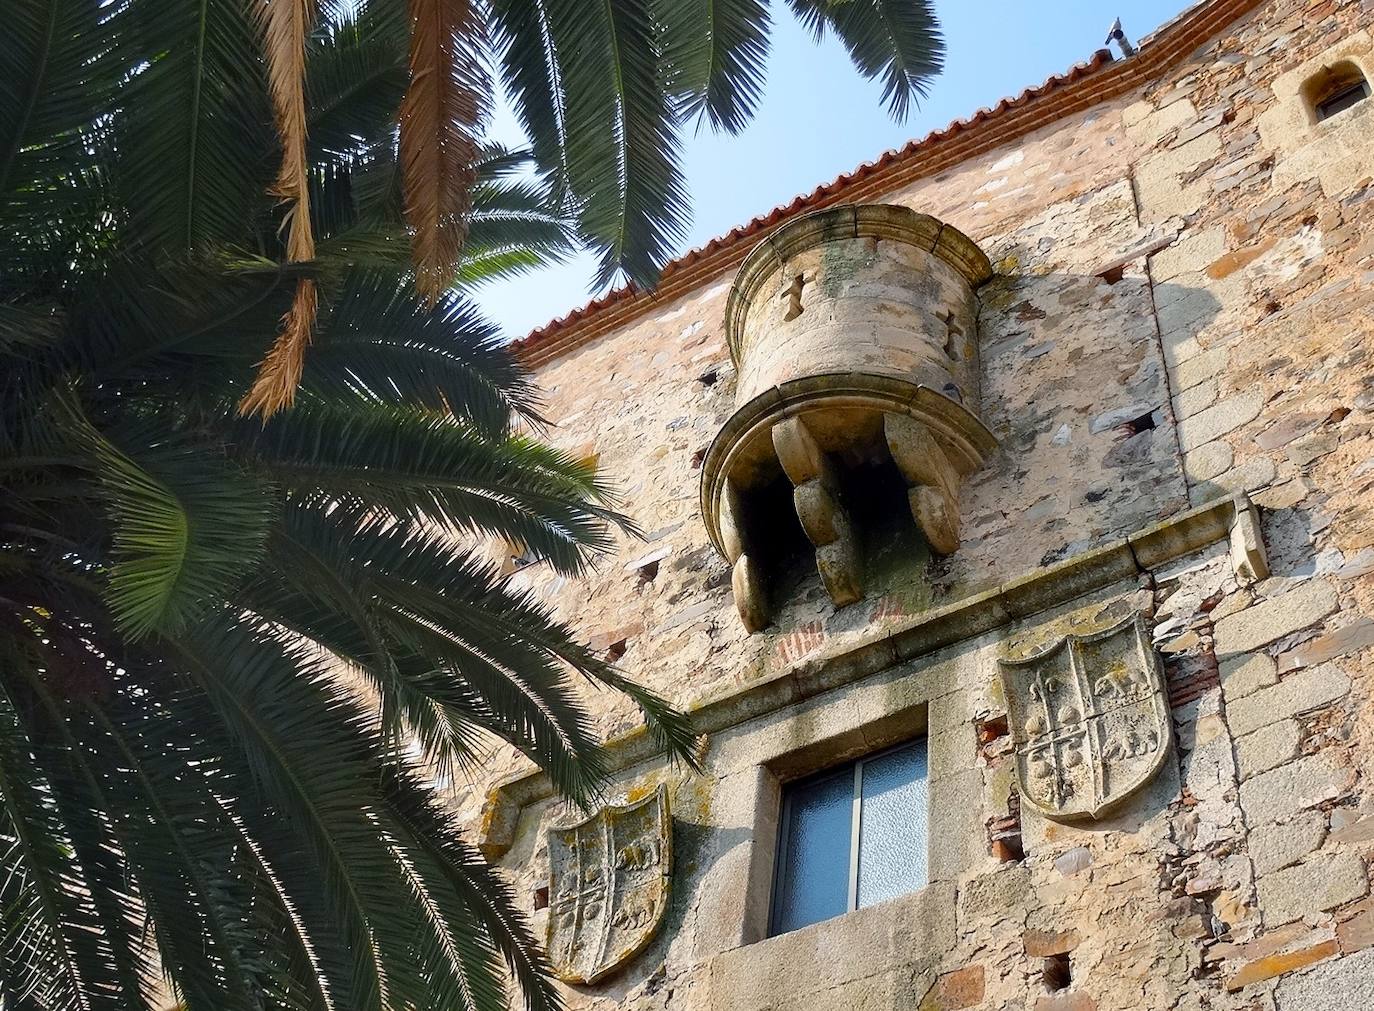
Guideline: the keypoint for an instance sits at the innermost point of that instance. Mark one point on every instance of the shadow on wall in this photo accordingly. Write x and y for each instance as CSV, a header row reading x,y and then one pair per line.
x,y
1078,389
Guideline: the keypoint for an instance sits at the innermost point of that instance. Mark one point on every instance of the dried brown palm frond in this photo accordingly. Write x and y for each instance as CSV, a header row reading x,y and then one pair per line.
x,y
442,114
285,24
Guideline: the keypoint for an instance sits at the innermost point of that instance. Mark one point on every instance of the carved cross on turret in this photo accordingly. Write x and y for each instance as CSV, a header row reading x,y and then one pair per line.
x,y
793,294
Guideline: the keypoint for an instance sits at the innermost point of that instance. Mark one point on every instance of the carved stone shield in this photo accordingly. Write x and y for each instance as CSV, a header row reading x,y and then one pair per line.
x,y
1090,719
608,887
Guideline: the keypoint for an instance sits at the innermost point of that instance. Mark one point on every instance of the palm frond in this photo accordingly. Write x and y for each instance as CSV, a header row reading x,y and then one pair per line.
x,y
424,466
184,526
62,60
442,116
895,41
195,107
717,52
609,142
378,342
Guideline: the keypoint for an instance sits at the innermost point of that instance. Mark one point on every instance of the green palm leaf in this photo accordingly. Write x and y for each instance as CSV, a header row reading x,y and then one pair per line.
x,y
895,41
608,141
717,51
185,526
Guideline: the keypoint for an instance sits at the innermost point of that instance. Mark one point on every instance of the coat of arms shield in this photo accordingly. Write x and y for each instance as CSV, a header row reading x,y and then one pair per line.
x,y
608,887
1090,719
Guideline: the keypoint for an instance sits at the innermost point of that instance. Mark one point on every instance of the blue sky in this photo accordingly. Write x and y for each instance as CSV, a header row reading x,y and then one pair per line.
x,y
819,118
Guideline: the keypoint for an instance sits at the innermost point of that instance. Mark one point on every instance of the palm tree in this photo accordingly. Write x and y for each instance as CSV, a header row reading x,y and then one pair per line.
x,y
237,642
602,89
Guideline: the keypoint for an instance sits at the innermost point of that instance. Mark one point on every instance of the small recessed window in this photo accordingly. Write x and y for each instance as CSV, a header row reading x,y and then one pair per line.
x,y
1335,89
851,837
1342,100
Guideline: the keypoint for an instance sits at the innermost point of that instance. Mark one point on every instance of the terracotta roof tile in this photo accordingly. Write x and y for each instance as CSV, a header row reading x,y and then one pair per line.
x,y
1099,79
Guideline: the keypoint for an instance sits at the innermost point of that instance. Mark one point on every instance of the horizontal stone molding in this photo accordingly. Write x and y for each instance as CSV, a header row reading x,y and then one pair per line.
x,y
920,635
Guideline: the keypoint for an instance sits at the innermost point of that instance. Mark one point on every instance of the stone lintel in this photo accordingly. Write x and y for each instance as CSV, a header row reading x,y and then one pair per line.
x,y
881,650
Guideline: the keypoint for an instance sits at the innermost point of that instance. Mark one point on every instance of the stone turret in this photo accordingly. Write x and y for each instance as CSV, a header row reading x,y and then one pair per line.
x,y
854,334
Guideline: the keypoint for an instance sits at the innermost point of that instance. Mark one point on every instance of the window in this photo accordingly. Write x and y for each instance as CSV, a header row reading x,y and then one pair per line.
x,y
1335,89
851,837
1342,100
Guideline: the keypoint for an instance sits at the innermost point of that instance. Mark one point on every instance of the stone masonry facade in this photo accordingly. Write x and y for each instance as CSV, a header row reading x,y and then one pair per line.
x,y
1174,353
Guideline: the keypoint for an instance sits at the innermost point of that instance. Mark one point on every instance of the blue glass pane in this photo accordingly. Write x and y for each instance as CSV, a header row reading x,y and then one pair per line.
x,y
814,880
892,825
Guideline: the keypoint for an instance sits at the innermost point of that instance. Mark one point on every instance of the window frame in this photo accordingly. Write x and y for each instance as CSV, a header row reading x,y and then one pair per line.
x,y
789,790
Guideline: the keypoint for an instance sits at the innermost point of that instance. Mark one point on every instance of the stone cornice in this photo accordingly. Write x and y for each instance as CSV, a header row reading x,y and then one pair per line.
x,y
922,634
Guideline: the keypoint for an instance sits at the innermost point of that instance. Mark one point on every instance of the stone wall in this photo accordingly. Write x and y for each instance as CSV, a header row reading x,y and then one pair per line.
x,y
1183,308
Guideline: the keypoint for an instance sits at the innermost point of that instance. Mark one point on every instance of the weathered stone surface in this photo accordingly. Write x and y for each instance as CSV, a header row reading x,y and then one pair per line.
x,y
1298,693
1206,462
1271,619
1244,675
1358,635
1196,249
1274,846
1263,291
1269,966
1195,399
1219,419
1042,943
1281,793
1323,881
1267,747
1065,1000
958,989
1346,984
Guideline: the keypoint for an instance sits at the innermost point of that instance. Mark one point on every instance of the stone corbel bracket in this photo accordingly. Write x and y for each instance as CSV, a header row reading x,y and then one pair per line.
x,y
1234,520
854,333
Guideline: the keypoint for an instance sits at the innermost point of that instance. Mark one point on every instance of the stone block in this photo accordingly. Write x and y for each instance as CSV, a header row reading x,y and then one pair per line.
x,y
1357,933
1162,193
1043,943
1346,984
956,819
1249,558
915,930
1269,966
1298,693
1205,366
1280,793
1267,620
993,895
1195,399
1273,847
1065,1000
1267,748
1245,675
1219,419
958,989
1352,638
1206,462
1321,882
1147,127
1195,250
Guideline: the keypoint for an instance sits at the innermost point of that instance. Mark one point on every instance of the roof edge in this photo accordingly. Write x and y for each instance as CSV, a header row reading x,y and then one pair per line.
x,y
1098,80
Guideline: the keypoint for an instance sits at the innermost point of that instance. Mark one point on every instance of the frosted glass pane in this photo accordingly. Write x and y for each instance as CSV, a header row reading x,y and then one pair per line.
x,y
814,884
892,826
